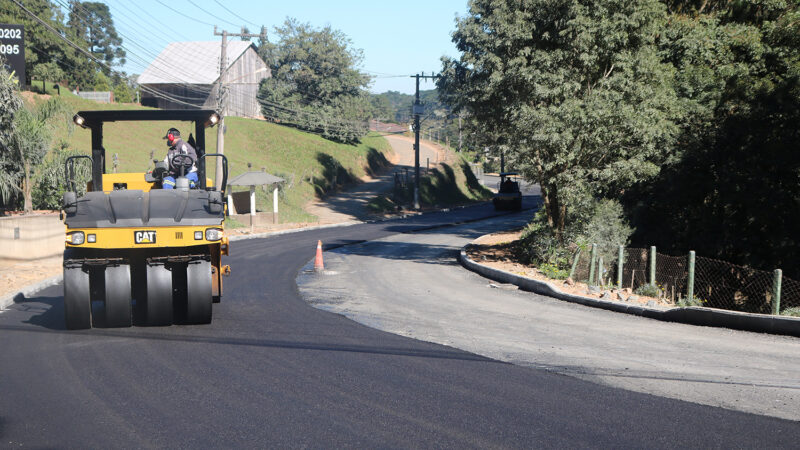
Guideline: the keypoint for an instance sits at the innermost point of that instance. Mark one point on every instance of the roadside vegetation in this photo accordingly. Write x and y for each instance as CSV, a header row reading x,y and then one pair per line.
x,y
674,122
448,184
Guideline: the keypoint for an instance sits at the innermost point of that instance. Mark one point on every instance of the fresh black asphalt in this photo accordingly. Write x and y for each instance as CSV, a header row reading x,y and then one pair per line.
x,y
271,371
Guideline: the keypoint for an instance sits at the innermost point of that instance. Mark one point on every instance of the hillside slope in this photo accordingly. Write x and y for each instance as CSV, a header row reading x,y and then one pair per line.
x,y
309,163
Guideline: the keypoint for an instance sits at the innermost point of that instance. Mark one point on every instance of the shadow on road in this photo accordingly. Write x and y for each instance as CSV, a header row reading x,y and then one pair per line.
x,y
49,324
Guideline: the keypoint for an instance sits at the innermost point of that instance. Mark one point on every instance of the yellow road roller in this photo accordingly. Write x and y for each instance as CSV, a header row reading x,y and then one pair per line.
x,y
137,254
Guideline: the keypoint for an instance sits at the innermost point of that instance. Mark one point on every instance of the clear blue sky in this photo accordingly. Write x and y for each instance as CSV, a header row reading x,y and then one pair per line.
x,y
398,38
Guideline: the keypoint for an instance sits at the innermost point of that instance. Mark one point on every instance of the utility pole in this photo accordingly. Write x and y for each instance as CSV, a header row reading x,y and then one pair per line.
x,y
418,109
459,132
222,96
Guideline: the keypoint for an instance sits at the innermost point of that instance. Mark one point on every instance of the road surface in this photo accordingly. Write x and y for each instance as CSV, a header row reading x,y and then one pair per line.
x,y
411,284
272,371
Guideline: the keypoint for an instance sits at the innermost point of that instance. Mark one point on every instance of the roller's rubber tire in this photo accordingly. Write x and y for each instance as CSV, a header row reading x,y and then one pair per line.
x,y
118,311
158,305
517,206
77,304
198,292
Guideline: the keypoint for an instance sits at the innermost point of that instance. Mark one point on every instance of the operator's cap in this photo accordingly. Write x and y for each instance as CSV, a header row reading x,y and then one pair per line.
x,y
174,132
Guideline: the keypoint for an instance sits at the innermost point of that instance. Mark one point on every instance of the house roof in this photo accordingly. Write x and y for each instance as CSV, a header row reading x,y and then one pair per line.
x,y
191,62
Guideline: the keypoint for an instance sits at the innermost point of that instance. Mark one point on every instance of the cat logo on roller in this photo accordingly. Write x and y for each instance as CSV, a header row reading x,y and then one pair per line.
x,y
144,237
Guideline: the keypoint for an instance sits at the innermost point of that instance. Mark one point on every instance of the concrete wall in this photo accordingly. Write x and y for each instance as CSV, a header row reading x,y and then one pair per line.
x,y
262,219
27,238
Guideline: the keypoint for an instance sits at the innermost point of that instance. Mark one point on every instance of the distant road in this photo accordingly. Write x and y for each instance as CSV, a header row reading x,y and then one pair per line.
x,y
350,203
528,188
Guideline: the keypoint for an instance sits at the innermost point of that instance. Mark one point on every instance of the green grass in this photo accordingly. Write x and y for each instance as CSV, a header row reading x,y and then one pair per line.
x,y
450,186
232,223
307,162
793,312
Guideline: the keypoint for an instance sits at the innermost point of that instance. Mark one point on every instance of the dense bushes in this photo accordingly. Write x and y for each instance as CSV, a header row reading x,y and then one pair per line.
x,y
600,222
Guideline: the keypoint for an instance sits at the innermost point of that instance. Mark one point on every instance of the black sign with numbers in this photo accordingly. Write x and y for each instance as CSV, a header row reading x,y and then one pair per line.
x,y
12,50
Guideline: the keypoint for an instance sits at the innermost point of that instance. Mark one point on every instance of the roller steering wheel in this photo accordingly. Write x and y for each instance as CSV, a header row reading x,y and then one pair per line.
x,y
184,162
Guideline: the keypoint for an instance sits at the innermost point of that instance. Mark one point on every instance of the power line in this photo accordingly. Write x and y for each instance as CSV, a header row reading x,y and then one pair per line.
x,y
88,54
182,14
142,62
212,15
237,16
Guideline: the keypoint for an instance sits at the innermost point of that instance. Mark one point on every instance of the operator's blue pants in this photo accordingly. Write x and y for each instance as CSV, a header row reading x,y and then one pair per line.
x,y
169,182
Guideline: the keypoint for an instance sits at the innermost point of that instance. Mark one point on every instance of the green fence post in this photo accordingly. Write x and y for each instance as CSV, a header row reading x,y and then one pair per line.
x,y
776,292
620,263
592,263
600,270
690,284
653,265
574,264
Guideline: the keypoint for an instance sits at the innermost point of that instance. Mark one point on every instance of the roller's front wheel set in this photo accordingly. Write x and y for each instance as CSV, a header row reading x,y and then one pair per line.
x,y
172,293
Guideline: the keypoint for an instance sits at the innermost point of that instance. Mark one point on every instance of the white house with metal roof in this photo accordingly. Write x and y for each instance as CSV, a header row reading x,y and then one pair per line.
x,y
185,75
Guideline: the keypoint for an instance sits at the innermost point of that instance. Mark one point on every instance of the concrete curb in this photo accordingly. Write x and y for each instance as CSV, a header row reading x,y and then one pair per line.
x,y
267,234
352,222
28,290
710,317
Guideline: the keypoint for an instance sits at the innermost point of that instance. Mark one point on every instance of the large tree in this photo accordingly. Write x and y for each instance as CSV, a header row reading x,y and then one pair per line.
x,y
93,22
736,165
315,81
573,88
42,46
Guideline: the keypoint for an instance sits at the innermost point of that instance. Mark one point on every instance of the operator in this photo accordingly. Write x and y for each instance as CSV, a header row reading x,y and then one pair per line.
x,y
508,186
178,146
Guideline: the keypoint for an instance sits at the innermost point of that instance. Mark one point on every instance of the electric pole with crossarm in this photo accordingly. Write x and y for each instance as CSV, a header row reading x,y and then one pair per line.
x,y
221,94
418,109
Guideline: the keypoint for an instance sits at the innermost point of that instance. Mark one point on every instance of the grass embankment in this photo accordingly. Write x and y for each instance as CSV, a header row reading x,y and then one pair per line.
x,y
449,184
307,162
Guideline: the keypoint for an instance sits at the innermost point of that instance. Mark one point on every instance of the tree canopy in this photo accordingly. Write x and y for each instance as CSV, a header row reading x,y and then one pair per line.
x,y
574,87
315,81
44,47
92,21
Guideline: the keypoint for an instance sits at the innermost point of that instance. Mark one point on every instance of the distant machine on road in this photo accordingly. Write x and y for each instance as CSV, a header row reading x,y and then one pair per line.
x,y
509,196
136,253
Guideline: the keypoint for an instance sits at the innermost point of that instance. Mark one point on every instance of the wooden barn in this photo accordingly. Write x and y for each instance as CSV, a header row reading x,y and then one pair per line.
x,y
185,75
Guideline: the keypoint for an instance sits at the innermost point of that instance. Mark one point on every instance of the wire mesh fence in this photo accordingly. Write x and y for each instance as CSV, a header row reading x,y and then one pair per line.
x,y
790,296
634,268
717,284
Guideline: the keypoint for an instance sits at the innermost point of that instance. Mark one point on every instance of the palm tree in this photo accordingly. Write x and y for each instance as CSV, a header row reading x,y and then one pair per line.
x,y
30,142
10,102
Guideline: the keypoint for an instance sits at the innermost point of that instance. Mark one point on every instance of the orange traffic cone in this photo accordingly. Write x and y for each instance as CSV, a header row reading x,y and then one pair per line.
x,y
318,266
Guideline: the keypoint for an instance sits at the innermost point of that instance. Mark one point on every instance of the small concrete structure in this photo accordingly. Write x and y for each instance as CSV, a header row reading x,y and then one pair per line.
x,y
31,237
253,179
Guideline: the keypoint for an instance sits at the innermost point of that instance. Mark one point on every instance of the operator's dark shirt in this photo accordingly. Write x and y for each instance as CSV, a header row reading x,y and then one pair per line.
x,y
180,147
